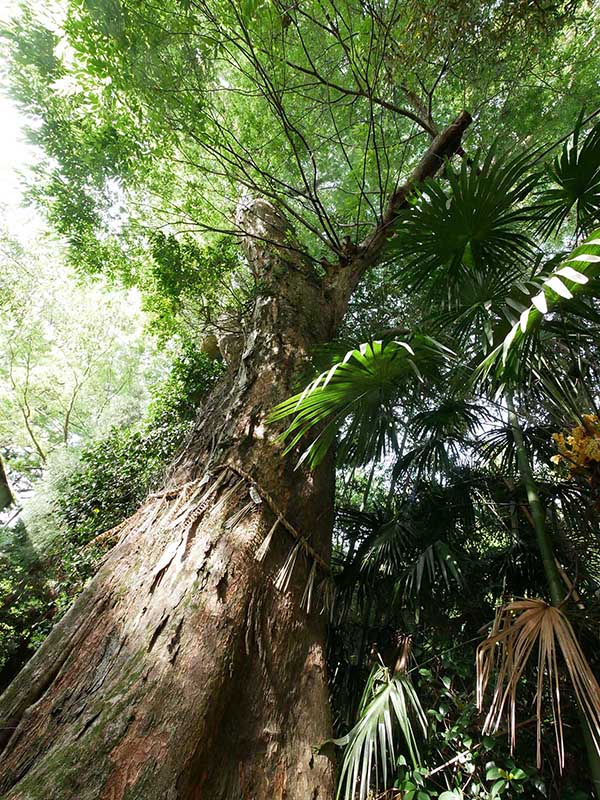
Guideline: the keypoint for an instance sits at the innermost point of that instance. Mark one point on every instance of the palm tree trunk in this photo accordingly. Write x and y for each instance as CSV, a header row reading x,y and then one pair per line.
x,y
553,579
544,542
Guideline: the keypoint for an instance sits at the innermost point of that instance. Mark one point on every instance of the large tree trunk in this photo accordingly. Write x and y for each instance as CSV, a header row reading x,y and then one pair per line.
x,y
189,669
183,671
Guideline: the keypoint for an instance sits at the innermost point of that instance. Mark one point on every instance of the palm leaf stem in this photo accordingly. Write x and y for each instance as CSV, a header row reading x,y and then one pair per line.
x,y
555,585
364,636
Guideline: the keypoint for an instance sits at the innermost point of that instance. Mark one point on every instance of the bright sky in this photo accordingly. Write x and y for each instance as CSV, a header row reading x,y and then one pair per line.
x,y
15,156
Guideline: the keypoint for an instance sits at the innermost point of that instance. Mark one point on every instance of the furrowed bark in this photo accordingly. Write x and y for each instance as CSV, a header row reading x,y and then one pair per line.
x,y
182,671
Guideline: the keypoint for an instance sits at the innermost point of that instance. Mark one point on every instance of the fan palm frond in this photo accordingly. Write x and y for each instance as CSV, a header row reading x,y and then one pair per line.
x,y
441,434
575,522
389,702
434,563
387,550
428,458
520,628
518,564
495,449
470,316
576,177
452,417
473,226
362,389
378,541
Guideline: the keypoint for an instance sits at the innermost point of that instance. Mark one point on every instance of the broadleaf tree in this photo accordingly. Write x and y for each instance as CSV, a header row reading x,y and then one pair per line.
x,y
73,357
193,664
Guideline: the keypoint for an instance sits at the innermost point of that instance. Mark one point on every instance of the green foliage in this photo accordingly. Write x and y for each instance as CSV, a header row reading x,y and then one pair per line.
x,y
162,115
364,387
26,601
465,253
388,701
187,282
455,758
460,230
575,174
388,582
476,762
575,274
116,472
65,376
42,572
453,535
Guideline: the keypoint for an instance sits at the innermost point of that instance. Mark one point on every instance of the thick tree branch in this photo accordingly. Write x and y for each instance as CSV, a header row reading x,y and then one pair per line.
x,y
345,275
445,145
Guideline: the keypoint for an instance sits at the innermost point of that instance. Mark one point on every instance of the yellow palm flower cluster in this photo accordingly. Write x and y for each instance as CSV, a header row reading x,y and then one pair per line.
x,y
579,450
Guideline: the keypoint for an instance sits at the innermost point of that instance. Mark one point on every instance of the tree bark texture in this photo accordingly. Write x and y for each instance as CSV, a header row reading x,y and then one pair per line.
x,y
189,669
182,671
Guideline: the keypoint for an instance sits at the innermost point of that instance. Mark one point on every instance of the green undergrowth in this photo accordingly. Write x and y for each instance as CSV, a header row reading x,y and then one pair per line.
x,y
49,557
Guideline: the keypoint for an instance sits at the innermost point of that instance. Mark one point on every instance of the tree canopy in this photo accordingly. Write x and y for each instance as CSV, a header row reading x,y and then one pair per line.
x,y
165,116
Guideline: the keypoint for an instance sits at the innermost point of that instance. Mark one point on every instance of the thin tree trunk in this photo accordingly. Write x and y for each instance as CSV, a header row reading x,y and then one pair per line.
x,y
6,495
544,542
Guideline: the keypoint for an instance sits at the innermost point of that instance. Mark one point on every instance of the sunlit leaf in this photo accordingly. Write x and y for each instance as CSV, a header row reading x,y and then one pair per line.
x,y
361,391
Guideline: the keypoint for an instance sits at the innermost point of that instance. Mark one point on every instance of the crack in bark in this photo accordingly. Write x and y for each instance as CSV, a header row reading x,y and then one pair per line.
x,y
157,632
174,643
112,648
221,587
163,565
88,724
14,719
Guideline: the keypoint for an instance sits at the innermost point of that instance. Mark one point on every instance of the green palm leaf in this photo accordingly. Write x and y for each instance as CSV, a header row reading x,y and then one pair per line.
x,y
576,175
471,227
388,547
388,701
572,277
363,390
440,436
435,562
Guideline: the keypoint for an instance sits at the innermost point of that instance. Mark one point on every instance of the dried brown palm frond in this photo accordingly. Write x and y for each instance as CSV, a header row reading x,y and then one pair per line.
x,y
285,573
266,543
520,628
